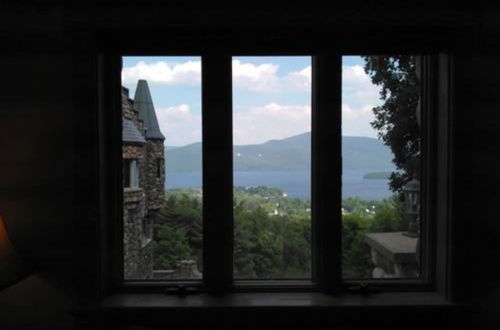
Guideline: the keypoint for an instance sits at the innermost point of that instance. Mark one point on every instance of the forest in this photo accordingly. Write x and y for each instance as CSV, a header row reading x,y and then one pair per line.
x,y
272,232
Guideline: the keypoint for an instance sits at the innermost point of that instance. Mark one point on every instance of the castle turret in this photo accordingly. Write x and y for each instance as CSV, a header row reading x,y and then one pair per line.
x,y
144,104
143,180
155,158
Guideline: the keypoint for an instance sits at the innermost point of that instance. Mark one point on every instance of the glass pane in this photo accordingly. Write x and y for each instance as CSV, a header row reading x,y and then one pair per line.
x,y
271,159
162,197
134,174
381,147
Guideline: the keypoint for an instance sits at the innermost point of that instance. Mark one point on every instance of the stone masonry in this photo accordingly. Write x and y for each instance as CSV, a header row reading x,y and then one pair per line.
x,y
142,144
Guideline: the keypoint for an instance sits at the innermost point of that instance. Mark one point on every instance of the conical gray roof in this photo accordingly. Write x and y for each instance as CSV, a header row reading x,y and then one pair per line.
x,y
144,104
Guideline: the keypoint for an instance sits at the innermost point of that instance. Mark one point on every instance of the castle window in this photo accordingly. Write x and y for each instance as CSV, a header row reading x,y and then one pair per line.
x,y
130,173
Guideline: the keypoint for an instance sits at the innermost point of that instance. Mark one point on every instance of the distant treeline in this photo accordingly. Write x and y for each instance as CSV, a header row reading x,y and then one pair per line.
x,y
377,175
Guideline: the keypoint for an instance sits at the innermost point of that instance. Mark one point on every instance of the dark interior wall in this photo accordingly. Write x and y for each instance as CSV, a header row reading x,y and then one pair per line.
x,y
48,148
37,163
37,181
476,225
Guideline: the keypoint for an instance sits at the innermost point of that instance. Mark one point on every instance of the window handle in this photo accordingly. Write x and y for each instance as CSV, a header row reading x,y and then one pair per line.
x,y
363,289
182,290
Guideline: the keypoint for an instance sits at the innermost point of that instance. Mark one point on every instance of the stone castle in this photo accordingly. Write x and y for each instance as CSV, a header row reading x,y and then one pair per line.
x,y
143,180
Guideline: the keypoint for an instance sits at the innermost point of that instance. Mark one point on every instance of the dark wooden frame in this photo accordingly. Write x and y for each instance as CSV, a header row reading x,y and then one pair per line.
x,y
326,181
217,116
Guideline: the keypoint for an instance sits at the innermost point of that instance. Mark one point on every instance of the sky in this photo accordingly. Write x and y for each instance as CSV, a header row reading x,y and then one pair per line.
x,y
271,96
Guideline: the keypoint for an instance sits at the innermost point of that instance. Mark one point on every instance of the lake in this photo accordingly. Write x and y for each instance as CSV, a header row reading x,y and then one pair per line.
x,y
294,183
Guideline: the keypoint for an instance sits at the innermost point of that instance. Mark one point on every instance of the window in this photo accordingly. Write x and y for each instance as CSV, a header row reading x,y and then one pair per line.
x,y
222,260
381,174
272,167
161,123
130,173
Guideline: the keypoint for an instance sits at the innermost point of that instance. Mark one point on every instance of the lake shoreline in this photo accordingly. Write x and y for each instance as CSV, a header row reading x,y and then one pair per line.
x,y
295,184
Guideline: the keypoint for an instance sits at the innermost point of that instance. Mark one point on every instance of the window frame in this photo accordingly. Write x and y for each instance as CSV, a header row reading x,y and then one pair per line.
x,y
217,144
131,173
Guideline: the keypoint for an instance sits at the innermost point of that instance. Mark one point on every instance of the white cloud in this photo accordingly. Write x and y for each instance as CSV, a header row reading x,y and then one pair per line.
x,y
354,74
356,121
357,88
180,111
271,121
246,76
259,124
300,80
259,78
161,72
264,78
277,111
179,125
350,113
359,96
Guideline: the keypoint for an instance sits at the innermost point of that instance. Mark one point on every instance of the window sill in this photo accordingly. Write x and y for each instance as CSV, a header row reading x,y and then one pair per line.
x,y
300,299
132,189
253,308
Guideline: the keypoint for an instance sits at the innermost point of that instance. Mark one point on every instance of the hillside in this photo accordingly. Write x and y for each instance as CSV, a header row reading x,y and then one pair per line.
x,y
292,153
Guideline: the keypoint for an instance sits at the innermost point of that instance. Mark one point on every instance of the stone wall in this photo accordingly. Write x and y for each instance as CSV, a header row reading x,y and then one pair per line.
x,y
137,248
138,253
141,204
133,151
155,185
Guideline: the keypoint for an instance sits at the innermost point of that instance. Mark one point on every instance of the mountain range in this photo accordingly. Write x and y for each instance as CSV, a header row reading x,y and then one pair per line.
x,y
289,154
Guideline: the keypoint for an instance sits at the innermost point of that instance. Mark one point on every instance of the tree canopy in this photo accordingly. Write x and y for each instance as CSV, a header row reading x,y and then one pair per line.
x,y
397,119
272,233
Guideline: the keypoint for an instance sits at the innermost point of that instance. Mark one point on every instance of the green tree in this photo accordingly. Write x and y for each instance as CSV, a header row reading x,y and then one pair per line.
x,y
171,247
389,217
297,247
182,212
271,246
396,119
259,243
266,245
244,266
355,254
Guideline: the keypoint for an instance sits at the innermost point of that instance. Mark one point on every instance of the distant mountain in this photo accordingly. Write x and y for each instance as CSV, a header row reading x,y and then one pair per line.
x,y
289,154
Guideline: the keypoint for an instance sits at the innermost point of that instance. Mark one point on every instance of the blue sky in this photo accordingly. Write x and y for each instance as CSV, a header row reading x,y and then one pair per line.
x,y
271,96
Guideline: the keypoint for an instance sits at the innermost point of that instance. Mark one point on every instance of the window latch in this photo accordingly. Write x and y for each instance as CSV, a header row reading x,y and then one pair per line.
x,y
363,289
182,290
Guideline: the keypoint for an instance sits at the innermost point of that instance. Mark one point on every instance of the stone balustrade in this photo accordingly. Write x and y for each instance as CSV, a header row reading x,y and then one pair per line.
x,y
393,254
